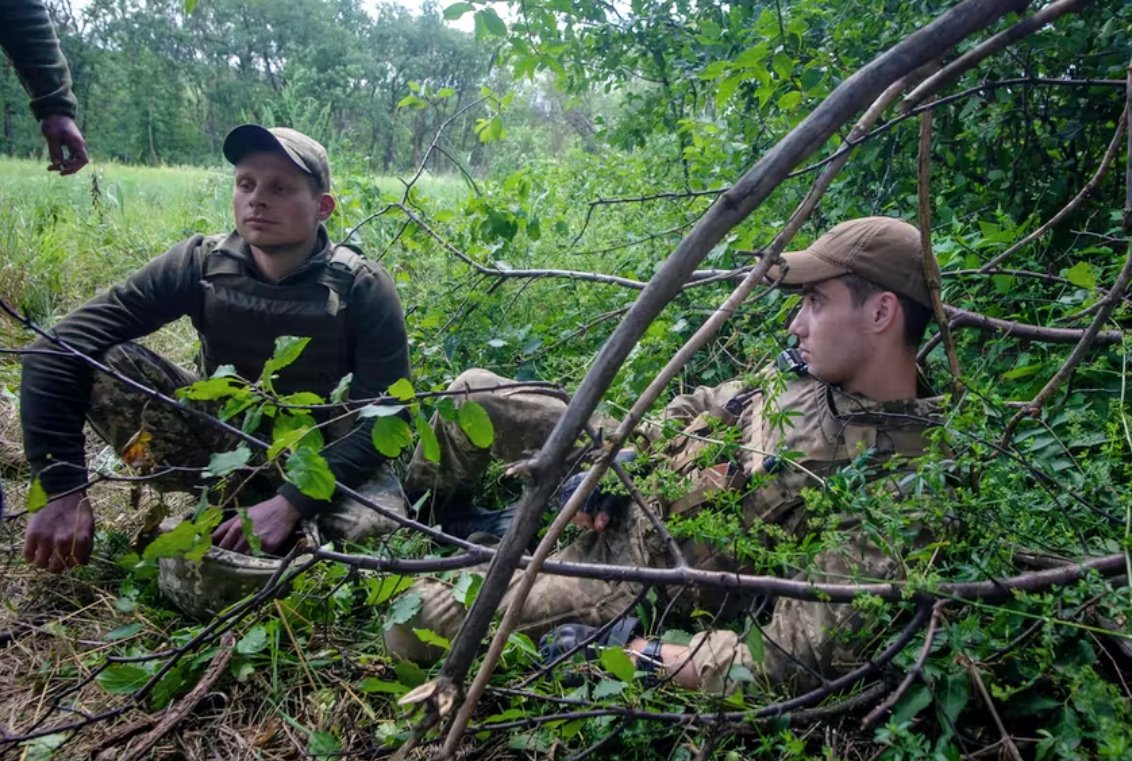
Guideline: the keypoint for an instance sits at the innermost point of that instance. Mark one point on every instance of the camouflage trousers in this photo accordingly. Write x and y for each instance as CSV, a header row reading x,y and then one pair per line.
x,y
174,444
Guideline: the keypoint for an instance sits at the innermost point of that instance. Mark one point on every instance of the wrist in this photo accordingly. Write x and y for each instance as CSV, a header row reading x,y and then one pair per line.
x,y
649,655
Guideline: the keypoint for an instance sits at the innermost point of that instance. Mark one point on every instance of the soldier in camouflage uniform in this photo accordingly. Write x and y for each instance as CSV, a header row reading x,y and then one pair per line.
x,y
276,275
865,308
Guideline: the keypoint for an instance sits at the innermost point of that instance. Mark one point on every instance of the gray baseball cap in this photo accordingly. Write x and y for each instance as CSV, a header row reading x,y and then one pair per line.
x,y
304,152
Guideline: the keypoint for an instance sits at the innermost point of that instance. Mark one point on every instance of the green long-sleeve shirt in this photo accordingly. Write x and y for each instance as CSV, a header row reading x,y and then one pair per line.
x,y
29,40
55,391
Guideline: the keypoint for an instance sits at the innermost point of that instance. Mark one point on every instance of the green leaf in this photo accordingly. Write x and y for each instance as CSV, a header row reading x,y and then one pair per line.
x,y
210,389
301,399
253,642
294,430
190,6
1021,372
412,101
608,688
456,10
380,590
491,22
391,435
617,662
43,748
123,678
123,632
915,700
755,644
466,588
223,463
373,684
790,100
1082,275
409,674
287,350
189,538
379,410
474,421
951,695
173,684
446,408
37,497
338,395
402,390
430,445
307,469
429,637
403,609
323,745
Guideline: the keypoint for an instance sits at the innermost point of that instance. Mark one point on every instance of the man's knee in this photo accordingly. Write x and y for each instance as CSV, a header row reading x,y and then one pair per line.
x,y
477,378
403,642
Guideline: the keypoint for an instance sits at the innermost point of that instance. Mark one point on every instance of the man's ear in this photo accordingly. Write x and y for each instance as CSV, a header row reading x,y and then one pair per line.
x,y
886,312
325,207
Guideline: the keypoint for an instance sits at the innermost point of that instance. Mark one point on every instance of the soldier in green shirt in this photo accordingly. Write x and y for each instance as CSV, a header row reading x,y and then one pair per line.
x,y
277,274
29,39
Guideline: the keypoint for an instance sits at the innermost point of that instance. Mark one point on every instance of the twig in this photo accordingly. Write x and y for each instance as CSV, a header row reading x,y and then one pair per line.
x,y
1089,188
977,680
182,708
931,266
914,673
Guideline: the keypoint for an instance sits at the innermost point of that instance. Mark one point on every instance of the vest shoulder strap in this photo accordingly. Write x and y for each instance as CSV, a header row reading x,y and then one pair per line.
x,y
339,274
215,261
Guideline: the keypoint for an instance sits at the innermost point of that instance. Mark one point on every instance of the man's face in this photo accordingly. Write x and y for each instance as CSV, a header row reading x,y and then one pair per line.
x,y
274,203
832,333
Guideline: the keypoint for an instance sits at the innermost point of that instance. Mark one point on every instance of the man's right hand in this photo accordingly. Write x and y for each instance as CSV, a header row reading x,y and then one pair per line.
x,y
61,534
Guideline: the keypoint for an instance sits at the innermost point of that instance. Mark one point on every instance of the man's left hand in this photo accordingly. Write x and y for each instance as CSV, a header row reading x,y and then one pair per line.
x,y
61,132
273,521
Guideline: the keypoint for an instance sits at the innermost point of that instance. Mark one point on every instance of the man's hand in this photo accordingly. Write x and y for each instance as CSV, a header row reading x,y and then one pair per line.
x,y
273,521
601,509
61,132
61,535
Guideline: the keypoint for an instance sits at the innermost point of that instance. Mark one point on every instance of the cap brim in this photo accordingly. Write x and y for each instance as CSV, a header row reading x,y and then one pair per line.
x,y
802,267
252,138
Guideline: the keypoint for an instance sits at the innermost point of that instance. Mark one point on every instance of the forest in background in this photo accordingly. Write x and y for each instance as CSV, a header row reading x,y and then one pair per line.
x,y
588,137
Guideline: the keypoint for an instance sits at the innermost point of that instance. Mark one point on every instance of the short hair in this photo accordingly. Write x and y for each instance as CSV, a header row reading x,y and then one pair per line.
x,y
916,315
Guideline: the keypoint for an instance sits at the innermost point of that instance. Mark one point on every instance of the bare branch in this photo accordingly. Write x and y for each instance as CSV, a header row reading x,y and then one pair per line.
x,y
914,673
931,266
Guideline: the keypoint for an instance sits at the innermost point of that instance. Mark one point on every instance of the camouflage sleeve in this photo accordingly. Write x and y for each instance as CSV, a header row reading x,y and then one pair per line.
x,y
55,388
381,357
807,642
686,407
714,654
29,39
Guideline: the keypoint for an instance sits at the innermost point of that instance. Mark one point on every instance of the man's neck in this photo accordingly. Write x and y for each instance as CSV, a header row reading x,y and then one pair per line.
x,y
275,263
888,380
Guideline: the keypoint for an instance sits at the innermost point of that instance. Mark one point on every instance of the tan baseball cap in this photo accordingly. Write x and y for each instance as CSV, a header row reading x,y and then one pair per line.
x,y
883,250
306,153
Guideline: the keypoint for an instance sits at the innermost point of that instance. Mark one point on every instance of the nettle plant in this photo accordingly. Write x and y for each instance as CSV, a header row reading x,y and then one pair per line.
x,y
297,424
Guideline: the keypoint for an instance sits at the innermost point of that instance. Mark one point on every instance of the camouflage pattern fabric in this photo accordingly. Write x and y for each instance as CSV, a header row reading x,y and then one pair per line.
x,y
828,426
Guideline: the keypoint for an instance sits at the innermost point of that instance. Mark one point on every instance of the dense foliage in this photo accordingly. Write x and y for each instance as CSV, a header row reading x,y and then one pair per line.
x,y
601,127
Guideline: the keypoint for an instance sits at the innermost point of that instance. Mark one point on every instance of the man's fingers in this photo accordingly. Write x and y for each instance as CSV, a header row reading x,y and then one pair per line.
x,y
583,520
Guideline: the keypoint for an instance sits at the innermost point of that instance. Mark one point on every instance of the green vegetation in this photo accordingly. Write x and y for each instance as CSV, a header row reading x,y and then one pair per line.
x,y
656,102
